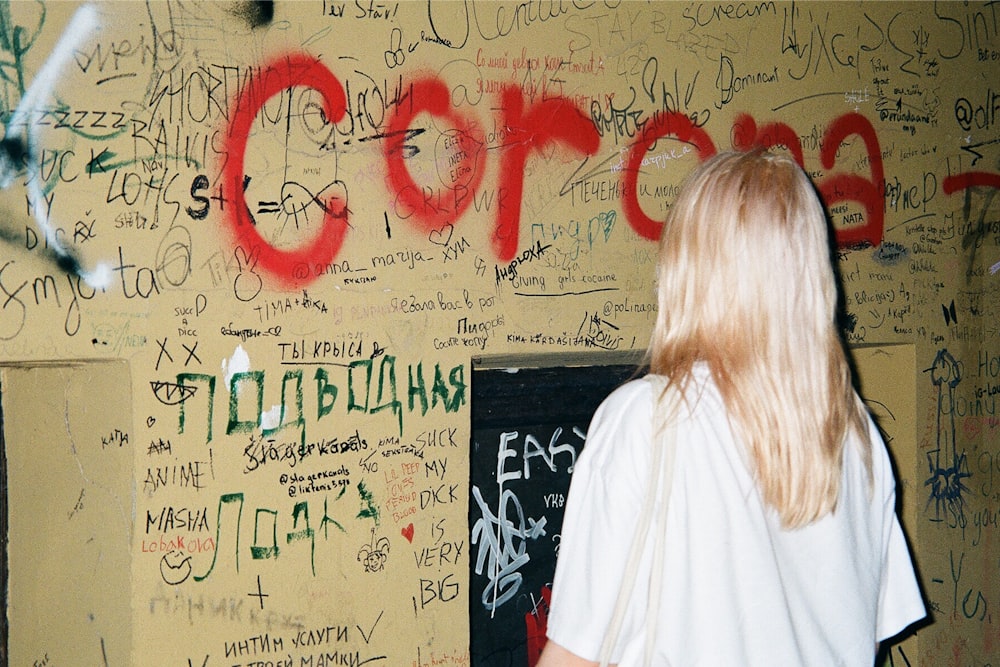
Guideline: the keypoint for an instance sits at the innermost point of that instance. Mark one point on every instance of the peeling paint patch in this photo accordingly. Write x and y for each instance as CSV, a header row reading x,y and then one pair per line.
x,y
238,363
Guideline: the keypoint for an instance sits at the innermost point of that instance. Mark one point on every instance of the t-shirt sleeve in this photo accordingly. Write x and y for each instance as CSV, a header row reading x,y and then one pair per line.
x,y
900,602
606,492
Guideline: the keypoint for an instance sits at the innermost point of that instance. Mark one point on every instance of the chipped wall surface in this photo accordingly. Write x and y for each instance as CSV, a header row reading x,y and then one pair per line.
x,y
299,224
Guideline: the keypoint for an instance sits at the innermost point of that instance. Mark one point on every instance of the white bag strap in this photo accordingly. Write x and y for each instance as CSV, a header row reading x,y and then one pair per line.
x,y
661,473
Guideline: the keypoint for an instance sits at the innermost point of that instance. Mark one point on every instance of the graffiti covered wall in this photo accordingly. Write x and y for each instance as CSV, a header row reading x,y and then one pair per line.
x,y
300,222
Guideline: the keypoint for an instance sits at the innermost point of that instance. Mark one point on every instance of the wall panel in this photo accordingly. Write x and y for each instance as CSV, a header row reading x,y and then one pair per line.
x,y
300,222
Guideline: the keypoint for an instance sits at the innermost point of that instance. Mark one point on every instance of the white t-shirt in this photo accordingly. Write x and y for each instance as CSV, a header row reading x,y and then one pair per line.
x,y
737,589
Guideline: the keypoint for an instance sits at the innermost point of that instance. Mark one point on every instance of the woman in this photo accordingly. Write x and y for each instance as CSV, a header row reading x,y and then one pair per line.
x,y
782,545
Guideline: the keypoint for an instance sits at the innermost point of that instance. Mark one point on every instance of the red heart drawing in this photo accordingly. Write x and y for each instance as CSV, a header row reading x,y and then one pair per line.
x,y
408,533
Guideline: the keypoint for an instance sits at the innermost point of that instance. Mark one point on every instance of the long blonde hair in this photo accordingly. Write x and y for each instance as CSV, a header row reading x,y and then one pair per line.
x,y
746,284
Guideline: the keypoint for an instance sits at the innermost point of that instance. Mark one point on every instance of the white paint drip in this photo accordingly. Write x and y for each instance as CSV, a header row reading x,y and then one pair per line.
x,y
271,419
83,24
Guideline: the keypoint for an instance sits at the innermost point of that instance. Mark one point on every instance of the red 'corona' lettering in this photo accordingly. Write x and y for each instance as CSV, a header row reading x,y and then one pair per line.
x,y
282,73
431,96
668,124
746,135
851,187
548,121
552,120
835,187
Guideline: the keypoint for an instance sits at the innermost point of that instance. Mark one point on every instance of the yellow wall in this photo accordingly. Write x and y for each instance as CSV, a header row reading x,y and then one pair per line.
x,y
175,197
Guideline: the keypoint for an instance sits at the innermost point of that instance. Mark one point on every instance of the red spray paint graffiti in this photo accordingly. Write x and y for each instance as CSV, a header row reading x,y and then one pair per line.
x,y
281,74
851,187
970,179
432,208
536,622
541,126
553,120
549,121
673,124
834,187
747,135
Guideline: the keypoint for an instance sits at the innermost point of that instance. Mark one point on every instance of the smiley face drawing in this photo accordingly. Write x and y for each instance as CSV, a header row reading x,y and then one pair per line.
x,y
175,567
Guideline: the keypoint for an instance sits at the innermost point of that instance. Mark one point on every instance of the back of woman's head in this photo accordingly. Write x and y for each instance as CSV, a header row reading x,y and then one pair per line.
x,y
746,285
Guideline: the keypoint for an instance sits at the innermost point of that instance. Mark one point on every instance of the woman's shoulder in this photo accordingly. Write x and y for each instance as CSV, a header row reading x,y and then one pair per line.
x,y
631,389
629,399
640,393
631,405
619,432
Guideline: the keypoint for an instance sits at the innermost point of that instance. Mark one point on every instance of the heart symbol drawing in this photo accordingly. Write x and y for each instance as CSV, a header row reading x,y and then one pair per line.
x,y
408,533
441,236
